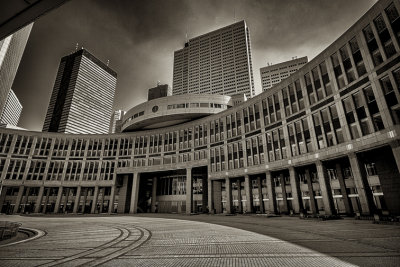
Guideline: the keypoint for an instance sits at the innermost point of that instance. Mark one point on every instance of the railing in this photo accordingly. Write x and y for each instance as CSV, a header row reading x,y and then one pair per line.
x,y
8,229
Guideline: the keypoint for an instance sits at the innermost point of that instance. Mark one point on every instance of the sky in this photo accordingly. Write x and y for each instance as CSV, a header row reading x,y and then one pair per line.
x,y
139,39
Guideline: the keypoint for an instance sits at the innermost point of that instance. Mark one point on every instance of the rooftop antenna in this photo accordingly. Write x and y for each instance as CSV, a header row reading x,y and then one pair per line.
x,y
186,35
234,14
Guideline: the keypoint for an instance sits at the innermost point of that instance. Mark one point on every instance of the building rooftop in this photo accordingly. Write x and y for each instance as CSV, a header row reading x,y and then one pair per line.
x,y
86,53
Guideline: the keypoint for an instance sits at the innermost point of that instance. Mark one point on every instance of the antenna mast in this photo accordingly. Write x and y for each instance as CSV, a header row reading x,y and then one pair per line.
x,y
187,30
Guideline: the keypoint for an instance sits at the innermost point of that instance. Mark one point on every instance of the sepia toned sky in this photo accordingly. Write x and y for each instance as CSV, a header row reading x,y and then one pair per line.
x,y
139,39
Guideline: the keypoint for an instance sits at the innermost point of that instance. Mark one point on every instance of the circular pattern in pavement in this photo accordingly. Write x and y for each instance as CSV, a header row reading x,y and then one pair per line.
x,y
138,241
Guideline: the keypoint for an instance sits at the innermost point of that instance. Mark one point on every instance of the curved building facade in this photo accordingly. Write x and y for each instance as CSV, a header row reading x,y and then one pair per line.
x,y
323,141
172,110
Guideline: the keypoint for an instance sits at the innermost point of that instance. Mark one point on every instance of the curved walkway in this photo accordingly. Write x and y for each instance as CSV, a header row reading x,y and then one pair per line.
x,y
140,241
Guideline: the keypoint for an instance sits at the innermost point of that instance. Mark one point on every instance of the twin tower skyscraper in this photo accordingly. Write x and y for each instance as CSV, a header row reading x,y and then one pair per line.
x,y
218,62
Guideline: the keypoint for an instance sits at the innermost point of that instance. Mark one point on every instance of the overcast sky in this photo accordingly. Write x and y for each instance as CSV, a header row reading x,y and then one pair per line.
x,y
140,37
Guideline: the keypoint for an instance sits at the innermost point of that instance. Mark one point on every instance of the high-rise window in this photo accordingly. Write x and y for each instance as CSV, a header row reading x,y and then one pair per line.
x,y
394,19
384,36
372,45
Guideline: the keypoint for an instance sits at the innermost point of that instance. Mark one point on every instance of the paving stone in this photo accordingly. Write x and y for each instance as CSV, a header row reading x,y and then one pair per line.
x,y
151,241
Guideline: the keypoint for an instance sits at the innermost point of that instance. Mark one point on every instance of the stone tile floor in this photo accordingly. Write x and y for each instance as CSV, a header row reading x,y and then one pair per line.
x,y
178,240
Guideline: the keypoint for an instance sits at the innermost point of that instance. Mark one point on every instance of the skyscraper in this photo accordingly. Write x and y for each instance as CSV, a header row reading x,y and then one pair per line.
x,y
82,97
11,51
218,62
116,116
273,74
12,110
160,90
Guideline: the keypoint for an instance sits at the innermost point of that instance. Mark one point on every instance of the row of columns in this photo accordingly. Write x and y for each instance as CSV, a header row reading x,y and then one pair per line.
x,y
365,195
360,181
134,197
24,199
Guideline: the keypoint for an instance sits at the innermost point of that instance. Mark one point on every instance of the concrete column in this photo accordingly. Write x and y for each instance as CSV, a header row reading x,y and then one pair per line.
x,y
260,195
249,194
46,201
19,198
325,188
217,196
225,137
361,183
28,191
311,125
135,193
101,200
204,195
228,192
346,202
271,193
210,189
95,197
239,192
77,199
342,114
285,208
66,199
154,195
3,194
39,199
58,200
297,202
124,194
313,203
189,191
243,139
112,198
85,194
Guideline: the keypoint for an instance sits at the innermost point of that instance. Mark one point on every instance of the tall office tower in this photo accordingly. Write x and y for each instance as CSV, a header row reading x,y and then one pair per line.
x,y
218,62
274,74
161,90
116,116
12,110
82,97
11,51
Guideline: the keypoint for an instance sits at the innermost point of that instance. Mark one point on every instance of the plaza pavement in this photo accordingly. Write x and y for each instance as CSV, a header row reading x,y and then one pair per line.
x,y
149,240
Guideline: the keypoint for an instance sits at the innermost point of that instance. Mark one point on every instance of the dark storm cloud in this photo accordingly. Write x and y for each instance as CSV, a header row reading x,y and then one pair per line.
x,y
281,30
139,38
